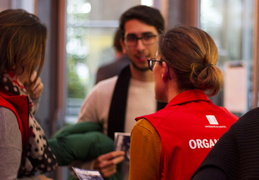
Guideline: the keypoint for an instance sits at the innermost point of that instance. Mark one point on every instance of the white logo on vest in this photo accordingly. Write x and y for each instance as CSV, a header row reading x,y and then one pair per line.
x,y
213,122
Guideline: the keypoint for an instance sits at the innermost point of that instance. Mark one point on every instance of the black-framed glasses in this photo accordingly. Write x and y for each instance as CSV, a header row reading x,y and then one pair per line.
x,y
151,63
146,38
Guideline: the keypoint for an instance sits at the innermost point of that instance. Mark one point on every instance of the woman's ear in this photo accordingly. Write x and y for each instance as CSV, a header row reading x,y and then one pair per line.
x,y
166,73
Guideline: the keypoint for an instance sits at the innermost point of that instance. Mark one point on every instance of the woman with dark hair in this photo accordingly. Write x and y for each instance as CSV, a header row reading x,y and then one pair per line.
x,y
24,149
171,143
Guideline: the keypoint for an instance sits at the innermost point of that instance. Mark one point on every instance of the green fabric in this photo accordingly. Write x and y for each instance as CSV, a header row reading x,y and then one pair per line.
x,y
81,141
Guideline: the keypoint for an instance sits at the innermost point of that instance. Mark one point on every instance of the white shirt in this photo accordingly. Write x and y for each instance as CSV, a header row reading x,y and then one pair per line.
x,y
96,106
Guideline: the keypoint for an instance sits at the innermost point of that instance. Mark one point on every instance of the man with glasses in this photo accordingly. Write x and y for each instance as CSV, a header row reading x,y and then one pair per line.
x,y
114,103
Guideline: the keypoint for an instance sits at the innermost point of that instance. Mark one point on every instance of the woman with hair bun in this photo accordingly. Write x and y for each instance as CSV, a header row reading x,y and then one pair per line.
x,y
171,143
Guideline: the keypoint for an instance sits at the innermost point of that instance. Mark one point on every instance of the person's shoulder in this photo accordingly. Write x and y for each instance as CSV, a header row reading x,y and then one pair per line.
x,y
247,123
253,111
107,82
227,113
251,115
102,88
8,118
6,114
145,124
9,127
105,86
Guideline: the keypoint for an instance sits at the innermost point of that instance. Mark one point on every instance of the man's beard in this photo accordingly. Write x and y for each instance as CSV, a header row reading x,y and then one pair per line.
x,y
138,68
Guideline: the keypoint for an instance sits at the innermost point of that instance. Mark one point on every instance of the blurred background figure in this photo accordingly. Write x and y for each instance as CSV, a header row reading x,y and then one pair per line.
x,y
24,150
121,60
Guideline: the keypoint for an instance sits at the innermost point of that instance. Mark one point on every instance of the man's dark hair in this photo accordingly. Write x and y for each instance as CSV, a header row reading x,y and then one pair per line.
x,y
145,14
116,41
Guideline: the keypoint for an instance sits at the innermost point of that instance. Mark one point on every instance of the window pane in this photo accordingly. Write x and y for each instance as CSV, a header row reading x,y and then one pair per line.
x,y
230,23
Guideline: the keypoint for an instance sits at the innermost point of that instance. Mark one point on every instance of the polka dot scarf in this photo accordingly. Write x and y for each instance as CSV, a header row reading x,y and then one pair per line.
x,y
37,155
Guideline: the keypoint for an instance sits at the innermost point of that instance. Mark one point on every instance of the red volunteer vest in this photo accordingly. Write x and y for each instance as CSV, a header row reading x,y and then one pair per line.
x,y
189,126
19,106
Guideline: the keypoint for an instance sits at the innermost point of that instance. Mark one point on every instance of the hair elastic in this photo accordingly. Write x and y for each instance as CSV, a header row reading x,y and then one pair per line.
x,y
209,65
